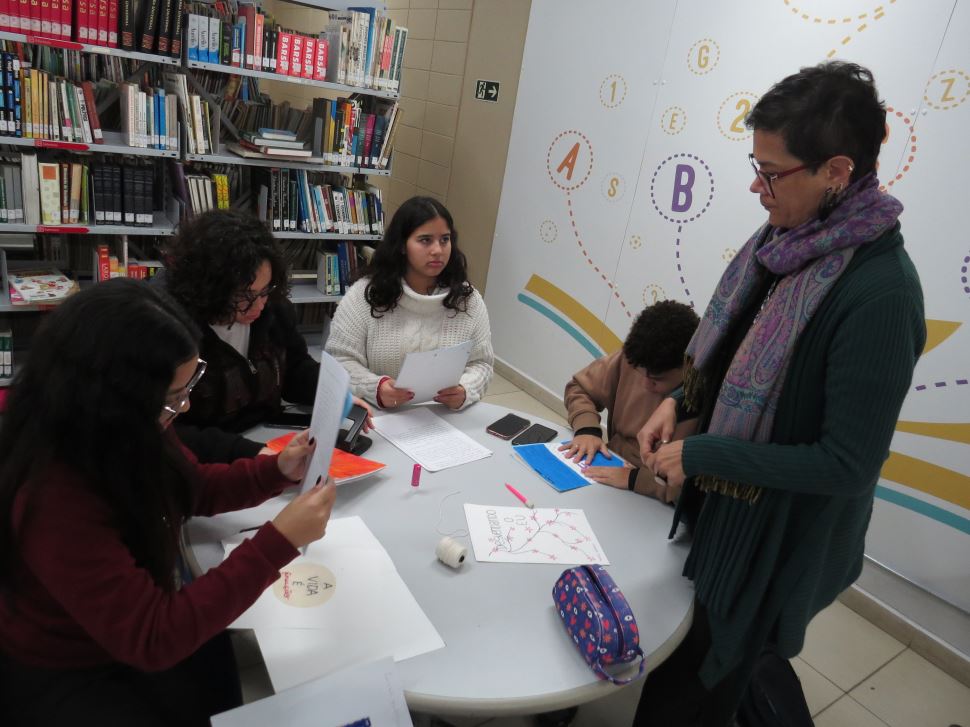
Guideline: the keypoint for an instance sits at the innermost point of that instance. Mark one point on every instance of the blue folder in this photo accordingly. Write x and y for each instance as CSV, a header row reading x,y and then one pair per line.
x,y
556,472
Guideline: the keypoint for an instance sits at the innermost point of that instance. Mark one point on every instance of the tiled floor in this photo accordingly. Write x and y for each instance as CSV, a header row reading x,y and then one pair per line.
x,y
853,674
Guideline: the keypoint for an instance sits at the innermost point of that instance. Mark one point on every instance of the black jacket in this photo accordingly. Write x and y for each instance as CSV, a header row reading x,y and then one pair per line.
x,y
238,393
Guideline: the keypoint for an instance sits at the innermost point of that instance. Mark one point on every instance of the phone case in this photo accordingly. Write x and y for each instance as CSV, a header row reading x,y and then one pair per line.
x,y
502,430
535,434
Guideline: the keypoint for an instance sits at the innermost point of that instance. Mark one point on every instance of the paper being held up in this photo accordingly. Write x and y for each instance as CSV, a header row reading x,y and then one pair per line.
x,y
428,439
333,384
428,372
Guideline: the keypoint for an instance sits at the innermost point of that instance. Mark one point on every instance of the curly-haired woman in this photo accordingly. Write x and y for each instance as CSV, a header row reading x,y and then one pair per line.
x,y
414,296
226,270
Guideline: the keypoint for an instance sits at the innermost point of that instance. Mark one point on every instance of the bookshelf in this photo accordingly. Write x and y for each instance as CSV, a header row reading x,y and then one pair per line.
x,y
114,149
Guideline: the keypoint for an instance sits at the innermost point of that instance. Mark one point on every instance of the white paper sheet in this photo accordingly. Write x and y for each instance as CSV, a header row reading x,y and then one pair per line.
x,y
428,372
428,439
369,691
343,603
328,410
522,535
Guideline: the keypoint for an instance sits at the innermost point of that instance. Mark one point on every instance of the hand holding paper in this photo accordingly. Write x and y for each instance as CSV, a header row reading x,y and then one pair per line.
x,y
305,518
294,459
428,372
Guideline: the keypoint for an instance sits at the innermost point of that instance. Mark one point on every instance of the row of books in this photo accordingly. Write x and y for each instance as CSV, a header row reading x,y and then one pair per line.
x,y
336,271
366,48
37,105
351,135
270,144
149,118
6,353
201,192
291,202
61,193
148,25
358,47
201,137
107,266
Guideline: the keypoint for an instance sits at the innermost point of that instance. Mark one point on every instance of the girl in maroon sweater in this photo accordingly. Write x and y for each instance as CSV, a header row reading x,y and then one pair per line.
x,y
98,624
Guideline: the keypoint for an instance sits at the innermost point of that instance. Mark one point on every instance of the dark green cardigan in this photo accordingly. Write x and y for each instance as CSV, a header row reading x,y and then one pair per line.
x,y
764,570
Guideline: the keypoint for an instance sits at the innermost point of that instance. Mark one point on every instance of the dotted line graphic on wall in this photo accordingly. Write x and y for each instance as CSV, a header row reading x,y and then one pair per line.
x,y
963,275
589,260
702,57
732,127
864,19
613,91
911,142
940,385
548,231
680,268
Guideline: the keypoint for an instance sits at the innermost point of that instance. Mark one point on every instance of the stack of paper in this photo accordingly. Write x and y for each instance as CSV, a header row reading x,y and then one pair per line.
x,y
342,603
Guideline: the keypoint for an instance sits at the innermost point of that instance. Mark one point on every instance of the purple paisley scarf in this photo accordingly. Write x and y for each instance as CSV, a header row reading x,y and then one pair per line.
x,y
809,259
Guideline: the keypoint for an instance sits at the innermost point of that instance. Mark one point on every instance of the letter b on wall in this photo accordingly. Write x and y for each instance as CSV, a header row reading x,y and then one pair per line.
x,y
681,188
683,184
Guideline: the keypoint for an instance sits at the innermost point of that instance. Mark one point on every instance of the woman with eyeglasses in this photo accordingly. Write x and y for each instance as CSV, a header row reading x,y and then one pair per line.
x,y
100,622
413,296
795,379
226,270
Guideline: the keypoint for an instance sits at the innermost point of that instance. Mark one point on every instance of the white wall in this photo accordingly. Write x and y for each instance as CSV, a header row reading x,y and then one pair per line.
x,y
575,256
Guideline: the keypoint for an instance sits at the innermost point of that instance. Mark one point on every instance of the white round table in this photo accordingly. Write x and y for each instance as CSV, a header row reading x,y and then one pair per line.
x,y
506,650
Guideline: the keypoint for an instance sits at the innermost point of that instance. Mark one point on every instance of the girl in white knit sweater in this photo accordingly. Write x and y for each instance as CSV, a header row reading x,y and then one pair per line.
x,y
414,296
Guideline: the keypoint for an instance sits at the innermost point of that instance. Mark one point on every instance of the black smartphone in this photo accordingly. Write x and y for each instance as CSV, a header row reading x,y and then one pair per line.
x,y
289,420
507,427
349,438
535,434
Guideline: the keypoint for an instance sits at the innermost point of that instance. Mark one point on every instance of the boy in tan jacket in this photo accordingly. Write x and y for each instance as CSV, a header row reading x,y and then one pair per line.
x,y
630,383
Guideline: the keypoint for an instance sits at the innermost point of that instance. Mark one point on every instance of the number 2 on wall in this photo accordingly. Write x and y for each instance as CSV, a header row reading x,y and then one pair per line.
x,y
744,106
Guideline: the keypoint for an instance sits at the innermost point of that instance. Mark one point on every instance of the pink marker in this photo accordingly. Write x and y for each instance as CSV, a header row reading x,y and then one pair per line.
x,y
416,476
523,498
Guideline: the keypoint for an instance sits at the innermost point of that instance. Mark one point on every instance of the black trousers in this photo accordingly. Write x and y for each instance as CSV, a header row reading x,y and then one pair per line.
x,y
204,684
674,696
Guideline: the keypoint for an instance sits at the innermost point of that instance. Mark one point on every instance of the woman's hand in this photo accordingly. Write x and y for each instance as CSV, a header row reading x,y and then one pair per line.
x,y
584,447
659,428
369,421
668,464
295,457
390,396
618,477
305,518
452,397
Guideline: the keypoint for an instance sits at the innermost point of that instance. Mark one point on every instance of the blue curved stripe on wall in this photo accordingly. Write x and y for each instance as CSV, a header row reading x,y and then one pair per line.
x,y
562,323
924,508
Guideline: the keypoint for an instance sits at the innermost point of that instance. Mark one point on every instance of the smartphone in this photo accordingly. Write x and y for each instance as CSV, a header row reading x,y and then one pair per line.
x,y
289,420
535,434
348,439
507,427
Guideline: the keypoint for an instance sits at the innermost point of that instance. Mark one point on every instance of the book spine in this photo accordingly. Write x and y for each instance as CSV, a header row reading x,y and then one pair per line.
x,y
175,39
258,42
66,12
283,53
215,39
91,110
127,38
320,63
55,18
296,55
309,56
236,45
102,22
150,27
164,26
193,37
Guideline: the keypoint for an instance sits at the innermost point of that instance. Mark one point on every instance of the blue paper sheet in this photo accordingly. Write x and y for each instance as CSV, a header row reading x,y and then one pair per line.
x,y
554,470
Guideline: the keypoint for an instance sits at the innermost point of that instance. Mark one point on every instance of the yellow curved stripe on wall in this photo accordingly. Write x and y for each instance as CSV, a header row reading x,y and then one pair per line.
x,y
576,312
937,332
929,478
952,432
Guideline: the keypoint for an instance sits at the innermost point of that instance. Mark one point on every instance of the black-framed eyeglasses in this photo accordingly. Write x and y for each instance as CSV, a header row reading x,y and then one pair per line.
x,y
247,298
767,178
174,407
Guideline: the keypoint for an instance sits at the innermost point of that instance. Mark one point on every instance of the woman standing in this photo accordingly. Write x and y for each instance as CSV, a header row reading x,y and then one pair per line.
x,y
796,377
415,296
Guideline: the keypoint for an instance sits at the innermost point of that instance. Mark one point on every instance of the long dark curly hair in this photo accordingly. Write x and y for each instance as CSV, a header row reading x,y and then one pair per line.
x,y
88,400
215,256
387,267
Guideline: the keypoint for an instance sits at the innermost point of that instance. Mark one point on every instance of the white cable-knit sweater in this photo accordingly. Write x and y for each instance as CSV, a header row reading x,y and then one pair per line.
x,y
370,348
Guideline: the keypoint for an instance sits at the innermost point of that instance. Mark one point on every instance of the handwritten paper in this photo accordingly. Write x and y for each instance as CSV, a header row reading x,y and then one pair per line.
x,y
521,535
328,410
428,439
428,372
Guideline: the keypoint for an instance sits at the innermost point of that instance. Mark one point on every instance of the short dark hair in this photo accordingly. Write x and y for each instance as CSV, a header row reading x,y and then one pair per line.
x,y
659,335
214,256
389,263
823,111
88,400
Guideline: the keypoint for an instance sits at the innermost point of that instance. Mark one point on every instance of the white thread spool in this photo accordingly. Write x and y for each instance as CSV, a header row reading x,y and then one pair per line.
x,y
450,552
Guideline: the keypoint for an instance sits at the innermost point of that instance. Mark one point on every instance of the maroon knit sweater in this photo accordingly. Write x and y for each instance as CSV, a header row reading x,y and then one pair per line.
x,y
78,599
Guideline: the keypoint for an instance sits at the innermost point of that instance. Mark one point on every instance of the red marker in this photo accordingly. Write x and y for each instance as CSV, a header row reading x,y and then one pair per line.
x,y
416,476
523,498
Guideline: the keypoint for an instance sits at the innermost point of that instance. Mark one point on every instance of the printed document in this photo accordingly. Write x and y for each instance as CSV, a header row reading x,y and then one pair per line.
x,y
428,439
